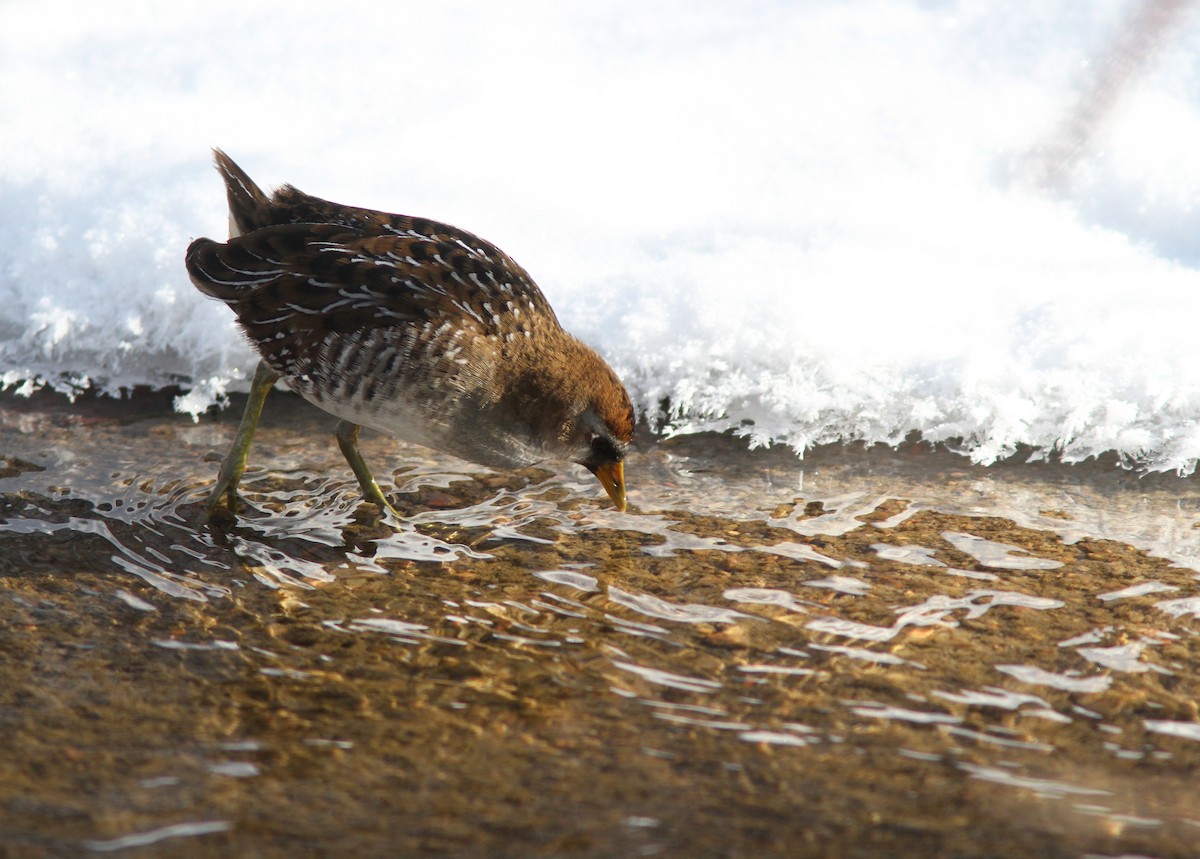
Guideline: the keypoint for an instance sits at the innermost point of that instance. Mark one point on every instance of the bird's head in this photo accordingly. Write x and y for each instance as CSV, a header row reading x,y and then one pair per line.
x,y
605,458
576,409
602,431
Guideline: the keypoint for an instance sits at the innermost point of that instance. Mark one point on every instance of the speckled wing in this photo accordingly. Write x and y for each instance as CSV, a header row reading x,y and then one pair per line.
x,y
298,288
440,250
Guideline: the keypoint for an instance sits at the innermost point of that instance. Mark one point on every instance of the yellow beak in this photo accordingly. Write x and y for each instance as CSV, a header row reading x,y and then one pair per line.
x,y
612,477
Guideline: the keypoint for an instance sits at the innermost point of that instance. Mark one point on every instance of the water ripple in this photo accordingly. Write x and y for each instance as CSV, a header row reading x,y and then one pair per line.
x,y
999,556
1066,682
669,679
653,606
154,836
682,622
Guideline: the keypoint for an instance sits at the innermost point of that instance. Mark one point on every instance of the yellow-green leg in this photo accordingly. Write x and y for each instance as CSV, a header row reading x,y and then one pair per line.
x,y
235,461
347,436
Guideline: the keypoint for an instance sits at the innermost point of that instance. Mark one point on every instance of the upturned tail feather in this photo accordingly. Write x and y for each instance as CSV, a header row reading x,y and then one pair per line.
x,y
249,207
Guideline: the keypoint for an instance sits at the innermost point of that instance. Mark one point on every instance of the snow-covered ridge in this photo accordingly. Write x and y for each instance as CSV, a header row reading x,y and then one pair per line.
x,y
813,221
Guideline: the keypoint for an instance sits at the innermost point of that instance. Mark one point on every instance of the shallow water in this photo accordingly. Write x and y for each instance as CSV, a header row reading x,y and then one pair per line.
x,y
865,652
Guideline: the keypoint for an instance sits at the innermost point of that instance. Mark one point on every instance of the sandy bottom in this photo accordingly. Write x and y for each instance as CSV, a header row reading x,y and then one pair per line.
x,y
864,653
